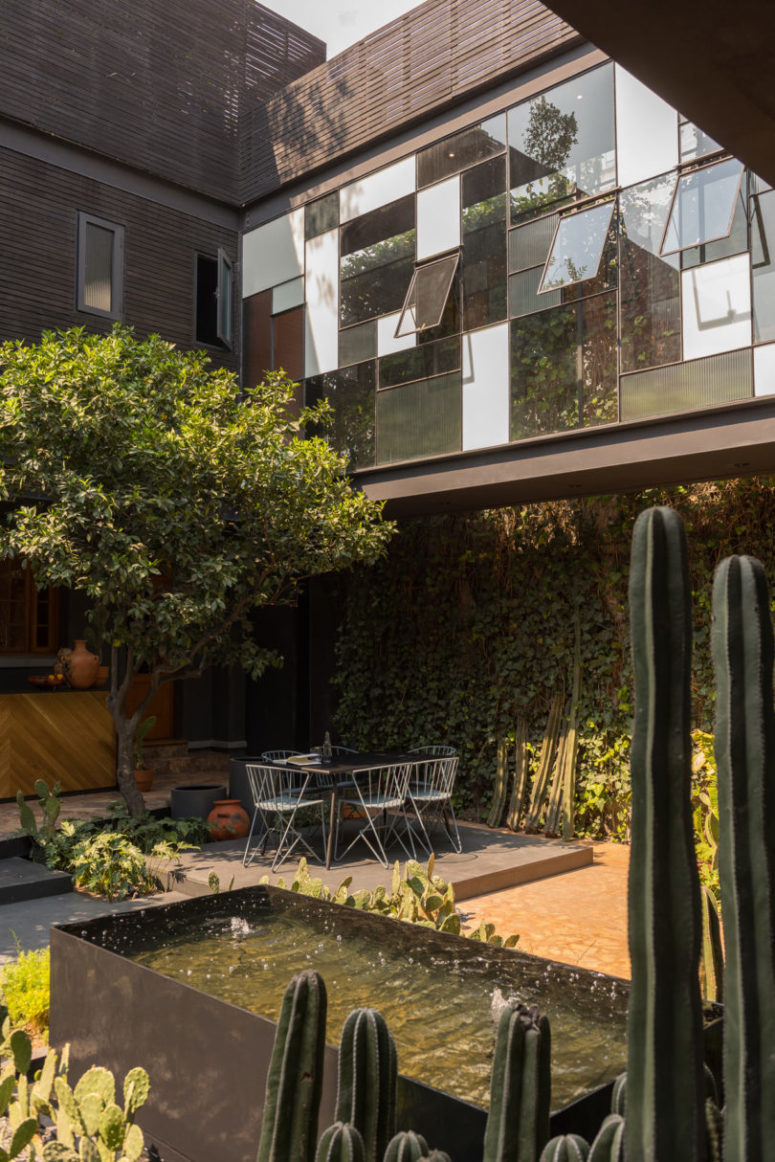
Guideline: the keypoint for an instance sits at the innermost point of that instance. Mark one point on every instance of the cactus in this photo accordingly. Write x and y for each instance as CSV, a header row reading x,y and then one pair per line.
x,y
619,1095
406,1146
436,1156
712,956
293,1085
566,1148
745,755
340,1143
368,1076
520,1093
608,1145
714,1126
665,1086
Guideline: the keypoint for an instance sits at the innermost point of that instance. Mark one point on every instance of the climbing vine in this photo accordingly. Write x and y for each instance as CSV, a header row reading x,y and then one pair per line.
x,y
469,623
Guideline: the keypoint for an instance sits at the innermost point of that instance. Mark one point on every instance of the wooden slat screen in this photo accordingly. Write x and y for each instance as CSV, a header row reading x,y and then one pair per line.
x,y
415,66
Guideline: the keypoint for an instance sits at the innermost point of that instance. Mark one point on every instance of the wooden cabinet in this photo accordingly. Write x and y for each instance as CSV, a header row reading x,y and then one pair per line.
x,y
56,735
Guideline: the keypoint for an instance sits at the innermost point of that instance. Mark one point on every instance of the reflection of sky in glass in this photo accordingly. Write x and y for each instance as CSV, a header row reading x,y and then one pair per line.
x,y
578,245
703,206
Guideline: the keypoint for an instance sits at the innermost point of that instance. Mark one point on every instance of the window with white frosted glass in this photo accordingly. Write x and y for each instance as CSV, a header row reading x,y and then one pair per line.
x,y
287,295
716,307
577,248
387,340
646,131
321,335
273,254
438,218
378,189
100,269
486,387
703,206
764,369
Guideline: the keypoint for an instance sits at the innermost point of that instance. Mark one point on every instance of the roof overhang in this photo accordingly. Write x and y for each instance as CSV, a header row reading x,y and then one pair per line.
x,y
710,59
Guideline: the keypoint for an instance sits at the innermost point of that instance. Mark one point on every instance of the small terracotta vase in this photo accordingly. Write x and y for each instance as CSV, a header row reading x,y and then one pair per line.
x,y
230,819
144,778
80,666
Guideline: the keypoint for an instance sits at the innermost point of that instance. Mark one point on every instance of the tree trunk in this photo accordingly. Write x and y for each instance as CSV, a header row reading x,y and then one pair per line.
x,y
125,765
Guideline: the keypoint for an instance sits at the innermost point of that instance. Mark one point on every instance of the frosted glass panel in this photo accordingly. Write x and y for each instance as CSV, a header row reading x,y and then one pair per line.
x,y
98,268
646,131
386,340
290,294
764,369
438,218
321,338
273,253
421,419
486,387
716,302
684,386
377,190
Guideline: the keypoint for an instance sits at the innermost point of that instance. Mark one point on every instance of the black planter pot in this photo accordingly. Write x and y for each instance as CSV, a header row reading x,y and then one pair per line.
x,y
195,800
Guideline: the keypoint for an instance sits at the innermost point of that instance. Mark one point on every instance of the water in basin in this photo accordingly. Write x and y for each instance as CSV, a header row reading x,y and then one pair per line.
x,y
439,995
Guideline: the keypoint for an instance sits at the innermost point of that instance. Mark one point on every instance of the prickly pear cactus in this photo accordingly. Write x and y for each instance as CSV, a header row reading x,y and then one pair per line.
x,y
293,1086
745,756
520,1091
368,1076
665,1087
340,1143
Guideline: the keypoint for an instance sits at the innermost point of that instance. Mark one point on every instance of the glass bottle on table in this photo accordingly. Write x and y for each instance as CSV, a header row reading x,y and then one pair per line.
x,y
327,753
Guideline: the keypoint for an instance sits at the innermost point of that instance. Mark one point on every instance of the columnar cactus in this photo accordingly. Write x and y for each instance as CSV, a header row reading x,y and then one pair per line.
x,y
340,1143
745,756
665,1086
520,1092
406,1146
608,1145
566,1148
368,1076
293,1086
712,957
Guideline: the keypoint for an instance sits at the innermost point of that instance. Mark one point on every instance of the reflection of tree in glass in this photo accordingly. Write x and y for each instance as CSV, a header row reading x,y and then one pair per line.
x,y
547,142
484,261
350,395
649,285
374,280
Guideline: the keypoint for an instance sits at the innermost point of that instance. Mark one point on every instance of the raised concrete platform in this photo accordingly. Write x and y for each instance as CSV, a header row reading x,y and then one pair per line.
x,y
21,879
490,860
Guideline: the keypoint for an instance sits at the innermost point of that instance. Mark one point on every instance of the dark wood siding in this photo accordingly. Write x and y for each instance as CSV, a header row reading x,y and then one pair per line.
x,y
417,65
39,205
160,84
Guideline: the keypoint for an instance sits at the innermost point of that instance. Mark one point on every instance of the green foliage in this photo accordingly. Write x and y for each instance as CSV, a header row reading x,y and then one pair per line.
x,y
468,625
174,503
24,983
705,809
55,1122
419,898
145,727
50,805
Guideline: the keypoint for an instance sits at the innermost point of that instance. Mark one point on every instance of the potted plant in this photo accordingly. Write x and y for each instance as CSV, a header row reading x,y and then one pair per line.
x,y
143,774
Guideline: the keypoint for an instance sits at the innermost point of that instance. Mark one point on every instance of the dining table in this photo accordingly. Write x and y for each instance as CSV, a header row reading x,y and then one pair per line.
x,y
330,778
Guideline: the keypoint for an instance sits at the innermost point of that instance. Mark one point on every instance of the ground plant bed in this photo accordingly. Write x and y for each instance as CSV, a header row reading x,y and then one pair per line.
x,y
133,989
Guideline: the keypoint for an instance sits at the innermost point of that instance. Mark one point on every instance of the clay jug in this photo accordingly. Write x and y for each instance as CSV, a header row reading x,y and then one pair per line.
x,y
230,819
81,666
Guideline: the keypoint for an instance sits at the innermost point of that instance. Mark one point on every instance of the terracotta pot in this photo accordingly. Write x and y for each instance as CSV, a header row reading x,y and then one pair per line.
x,y
144,779
79,665
230,819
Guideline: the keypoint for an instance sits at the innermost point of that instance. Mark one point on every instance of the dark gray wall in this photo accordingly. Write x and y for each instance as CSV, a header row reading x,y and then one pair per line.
x,y
159,85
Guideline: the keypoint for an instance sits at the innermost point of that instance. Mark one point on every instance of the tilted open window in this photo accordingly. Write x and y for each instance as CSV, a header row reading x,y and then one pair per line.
x,y
427,295
703,206
577,248
100,273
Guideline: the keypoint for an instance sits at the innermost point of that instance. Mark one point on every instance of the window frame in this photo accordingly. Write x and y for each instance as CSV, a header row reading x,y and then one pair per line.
x,y
453,258
692,171
587,209
31,624
224,297
85,220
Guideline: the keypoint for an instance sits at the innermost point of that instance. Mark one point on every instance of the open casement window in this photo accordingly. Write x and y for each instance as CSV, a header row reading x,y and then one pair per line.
x,y
577,248
28,616
223,295
703,206
427,295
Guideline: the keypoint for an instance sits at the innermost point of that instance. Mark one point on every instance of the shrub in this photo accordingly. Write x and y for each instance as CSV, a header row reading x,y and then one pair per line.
x,y
25,987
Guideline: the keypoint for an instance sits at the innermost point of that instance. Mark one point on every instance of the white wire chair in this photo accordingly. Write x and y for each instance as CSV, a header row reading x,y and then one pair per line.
x,y
435,751
277,756
373,793
431,783
278,795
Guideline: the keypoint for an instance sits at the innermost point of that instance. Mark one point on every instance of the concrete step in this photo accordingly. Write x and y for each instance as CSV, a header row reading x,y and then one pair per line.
x,y
21,879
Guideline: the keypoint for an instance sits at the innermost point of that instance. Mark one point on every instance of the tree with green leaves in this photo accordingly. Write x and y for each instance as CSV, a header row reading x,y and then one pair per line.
x,y
136,476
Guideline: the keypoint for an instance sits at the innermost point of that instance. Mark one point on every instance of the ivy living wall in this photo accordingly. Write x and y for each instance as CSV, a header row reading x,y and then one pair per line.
x,y
471,622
